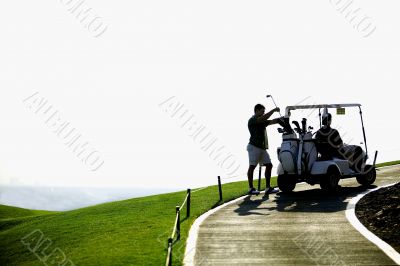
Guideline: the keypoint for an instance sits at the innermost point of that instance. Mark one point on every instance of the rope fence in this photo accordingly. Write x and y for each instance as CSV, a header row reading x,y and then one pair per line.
x,y
176,231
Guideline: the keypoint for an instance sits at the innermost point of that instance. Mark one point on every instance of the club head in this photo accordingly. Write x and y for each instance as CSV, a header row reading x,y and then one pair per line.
x,y
268,96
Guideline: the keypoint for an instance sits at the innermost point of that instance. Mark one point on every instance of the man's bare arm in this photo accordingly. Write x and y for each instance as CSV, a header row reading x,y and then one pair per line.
x,y
264,118
273,121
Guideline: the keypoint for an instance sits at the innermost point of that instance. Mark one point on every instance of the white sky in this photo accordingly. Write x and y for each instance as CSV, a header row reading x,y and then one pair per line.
x,y
218,58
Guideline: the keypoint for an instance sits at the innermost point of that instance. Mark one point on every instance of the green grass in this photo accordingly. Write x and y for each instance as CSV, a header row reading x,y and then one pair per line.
x,y
9,212
11,216
129,232
387,163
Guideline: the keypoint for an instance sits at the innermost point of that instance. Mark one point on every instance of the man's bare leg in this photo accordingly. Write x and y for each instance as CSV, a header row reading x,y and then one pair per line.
x,y
250,175
268,169
268,188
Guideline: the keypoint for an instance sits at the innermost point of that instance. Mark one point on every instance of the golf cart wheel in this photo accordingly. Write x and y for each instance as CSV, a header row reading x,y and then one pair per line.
x,y
286,183
330,181
368,177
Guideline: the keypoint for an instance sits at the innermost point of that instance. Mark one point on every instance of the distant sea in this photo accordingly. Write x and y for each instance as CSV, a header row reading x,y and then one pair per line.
x,y
68,198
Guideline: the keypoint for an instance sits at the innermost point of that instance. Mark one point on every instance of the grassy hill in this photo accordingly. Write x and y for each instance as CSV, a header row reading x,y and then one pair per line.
x,y
8,212
128,232
12,216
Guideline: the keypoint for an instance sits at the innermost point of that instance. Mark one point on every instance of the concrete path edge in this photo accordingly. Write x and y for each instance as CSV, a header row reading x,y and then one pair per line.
x,y
352,218
191,241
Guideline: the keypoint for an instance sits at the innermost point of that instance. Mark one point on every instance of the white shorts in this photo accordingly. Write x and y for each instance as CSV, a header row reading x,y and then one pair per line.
x,y
257,155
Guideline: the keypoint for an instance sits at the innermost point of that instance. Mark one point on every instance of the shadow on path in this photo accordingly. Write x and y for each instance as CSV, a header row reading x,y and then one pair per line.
x,y
250,207
317,200
312,200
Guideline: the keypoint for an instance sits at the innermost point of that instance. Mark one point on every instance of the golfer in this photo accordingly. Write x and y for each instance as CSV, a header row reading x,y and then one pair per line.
x,y
258,145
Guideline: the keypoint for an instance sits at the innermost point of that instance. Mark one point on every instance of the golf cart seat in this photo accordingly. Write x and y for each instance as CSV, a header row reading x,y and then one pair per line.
x,y
352,153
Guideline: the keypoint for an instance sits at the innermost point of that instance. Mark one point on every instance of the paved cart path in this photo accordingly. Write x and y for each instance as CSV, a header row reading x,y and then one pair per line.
x,y
303,228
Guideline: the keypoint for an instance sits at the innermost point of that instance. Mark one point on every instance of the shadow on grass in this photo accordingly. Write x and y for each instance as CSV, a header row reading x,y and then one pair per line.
x,y
218,203
184,219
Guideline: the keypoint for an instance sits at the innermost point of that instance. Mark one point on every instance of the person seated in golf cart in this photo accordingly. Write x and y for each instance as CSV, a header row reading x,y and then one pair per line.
x,y
328,139
330,145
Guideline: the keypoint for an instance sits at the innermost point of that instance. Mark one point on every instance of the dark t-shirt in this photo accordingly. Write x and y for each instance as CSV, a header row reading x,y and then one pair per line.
x,y
330,135
329,141
257,131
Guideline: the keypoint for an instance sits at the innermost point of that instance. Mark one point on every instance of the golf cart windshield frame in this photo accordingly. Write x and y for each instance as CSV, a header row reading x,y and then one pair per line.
x,y
315,106
320,106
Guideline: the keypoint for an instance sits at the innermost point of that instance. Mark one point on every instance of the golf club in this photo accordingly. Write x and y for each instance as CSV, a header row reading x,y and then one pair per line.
x,y
270,96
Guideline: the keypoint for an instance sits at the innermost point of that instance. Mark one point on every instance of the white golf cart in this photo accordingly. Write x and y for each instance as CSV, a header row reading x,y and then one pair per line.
x,y
301,159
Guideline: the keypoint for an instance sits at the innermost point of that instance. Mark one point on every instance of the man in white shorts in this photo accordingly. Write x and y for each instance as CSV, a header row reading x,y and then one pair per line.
x,y
258,145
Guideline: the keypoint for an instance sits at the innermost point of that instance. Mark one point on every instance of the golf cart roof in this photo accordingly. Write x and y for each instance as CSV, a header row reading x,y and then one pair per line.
x,y
319,106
